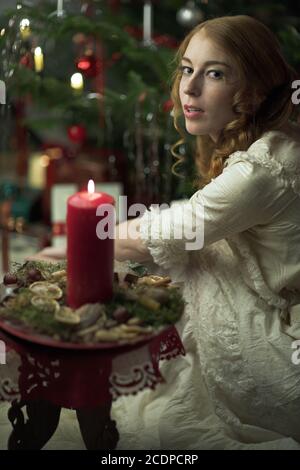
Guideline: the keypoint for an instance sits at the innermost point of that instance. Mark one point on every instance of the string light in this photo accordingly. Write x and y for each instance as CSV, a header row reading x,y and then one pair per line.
x,y
77,81
25,28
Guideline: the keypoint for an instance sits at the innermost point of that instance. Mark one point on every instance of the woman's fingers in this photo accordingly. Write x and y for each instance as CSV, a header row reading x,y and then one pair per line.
x,y
54,252
40,257
49,254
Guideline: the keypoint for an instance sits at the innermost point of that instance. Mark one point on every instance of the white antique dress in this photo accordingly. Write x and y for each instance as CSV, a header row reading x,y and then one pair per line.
x,y
237,387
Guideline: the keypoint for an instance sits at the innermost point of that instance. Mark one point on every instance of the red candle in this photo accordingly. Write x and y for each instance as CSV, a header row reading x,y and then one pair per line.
x,y
90,259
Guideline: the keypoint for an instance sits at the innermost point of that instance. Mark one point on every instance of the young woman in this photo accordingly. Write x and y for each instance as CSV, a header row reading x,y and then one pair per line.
x,y
238,387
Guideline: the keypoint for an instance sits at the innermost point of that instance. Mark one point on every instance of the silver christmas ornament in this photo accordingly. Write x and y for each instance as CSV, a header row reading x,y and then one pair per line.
x,y
189,15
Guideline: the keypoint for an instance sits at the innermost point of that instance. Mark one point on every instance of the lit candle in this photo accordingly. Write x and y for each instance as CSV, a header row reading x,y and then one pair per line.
x,y
147,22
60,8
90,258
37,168
38,59
77,81
2,92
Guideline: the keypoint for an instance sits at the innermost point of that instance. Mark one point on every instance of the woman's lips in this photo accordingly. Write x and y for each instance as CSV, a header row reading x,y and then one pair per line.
x,y
192,112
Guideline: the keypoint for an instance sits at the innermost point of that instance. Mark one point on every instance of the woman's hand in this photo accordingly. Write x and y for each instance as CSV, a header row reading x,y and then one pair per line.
x,y
128,242
128,246
49,254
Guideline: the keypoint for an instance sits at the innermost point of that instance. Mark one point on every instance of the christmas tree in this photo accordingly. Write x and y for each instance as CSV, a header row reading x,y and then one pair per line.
x,y
89,82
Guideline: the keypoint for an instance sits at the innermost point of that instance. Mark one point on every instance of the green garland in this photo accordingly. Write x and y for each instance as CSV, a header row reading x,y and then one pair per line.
x,y
21,310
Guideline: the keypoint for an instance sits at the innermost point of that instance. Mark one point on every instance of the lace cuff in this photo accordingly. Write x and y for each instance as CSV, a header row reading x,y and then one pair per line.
x,y
171,234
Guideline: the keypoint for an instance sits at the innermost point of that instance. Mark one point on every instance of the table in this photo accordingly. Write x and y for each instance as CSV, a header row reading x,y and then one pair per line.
x,y
44,380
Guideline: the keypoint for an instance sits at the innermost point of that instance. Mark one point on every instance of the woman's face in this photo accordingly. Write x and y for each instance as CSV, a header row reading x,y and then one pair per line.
x,y
208,83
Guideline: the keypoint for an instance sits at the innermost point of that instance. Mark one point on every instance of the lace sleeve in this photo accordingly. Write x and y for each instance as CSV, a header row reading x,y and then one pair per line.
x,y
250,191
244,195
280,158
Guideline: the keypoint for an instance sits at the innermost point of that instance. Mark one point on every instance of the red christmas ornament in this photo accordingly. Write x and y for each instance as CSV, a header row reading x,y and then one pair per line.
x,y
168,105
79,39
27,60
134,31
77,133
165,40
88,65
114,5
115,57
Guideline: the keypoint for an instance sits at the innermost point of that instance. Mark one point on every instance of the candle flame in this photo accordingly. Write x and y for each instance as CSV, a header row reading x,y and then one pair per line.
x,y
38,51
91,187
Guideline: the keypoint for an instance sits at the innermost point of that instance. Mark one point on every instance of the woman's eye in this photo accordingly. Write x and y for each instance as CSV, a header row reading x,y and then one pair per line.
x,y
215,74
185,70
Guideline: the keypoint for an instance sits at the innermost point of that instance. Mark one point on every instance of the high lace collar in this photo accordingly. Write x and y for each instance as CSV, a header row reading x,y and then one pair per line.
x,y
279,152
